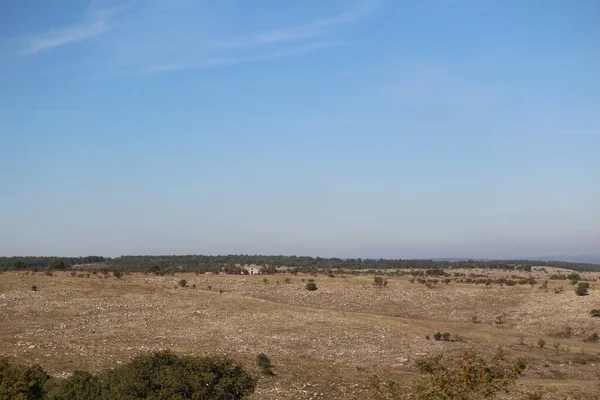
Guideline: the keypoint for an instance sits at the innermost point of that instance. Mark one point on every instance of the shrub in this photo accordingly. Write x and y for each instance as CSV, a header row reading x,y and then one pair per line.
x,y
287,280
34,288
595,312
164,375
263,361
466,377
311,286
437,336
80,386
446,336
582,289
379,281
541,343
117,274
21,382
183,283
574,277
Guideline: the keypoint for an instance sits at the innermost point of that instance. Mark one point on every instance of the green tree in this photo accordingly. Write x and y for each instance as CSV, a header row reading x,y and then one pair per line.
x,y
18,264
58,264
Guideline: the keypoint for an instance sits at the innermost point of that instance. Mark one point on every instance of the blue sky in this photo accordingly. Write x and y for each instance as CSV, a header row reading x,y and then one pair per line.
x,y
350,128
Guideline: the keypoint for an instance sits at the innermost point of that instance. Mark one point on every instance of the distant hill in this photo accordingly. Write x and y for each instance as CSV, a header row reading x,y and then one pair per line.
x,y
583,259
587,259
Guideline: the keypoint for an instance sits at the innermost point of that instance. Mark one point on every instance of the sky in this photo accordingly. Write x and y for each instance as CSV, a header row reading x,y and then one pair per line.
x,y
346,128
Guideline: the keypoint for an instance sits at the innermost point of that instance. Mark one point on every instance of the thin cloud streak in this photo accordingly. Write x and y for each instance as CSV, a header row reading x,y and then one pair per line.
x,y
301,38
230,61
316,28
96,23
61,37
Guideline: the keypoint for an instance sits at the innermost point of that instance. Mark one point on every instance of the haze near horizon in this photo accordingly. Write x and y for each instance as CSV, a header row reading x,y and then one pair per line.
x,y
346,128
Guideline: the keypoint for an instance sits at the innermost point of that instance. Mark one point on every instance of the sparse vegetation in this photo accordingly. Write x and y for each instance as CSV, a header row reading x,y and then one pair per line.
x,y
380,281
263,361
311,285
345,326
582,289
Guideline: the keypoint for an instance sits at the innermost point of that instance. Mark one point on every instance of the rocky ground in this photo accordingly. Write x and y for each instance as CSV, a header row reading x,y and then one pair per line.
x,y
325,344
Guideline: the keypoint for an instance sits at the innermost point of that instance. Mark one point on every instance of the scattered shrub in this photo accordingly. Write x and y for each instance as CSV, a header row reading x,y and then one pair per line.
x,y
263,361
34,288
311,286
574,277
117,274
437,336
595,313
287,280
183,283
379,281
582,289
541,343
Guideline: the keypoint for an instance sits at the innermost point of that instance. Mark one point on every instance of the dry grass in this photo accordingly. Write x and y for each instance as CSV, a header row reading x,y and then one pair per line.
x,y
324,344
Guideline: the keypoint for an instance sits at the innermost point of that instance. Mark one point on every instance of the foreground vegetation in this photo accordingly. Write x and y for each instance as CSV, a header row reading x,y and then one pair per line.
x,y
165,376
161,375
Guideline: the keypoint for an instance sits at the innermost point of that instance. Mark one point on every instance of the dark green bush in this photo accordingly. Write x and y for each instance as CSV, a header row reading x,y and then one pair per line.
x,y
183,283
311,286
166,376
159,376
79,386
582,289
20,382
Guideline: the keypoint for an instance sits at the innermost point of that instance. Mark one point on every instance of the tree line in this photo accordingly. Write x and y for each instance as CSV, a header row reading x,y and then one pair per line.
x,y
213,263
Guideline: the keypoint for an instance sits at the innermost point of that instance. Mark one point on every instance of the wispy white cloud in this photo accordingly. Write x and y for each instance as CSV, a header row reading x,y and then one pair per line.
x,y
266,45
313,29
94,23
232,60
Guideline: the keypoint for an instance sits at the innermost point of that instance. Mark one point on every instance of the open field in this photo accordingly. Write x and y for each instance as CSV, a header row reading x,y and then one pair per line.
x,y
324,344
